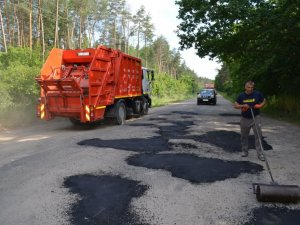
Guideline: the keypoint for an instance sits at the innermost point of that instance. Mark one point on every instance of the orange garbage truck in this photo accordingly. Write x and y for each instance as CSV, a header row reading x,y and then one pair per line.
x,y
92,84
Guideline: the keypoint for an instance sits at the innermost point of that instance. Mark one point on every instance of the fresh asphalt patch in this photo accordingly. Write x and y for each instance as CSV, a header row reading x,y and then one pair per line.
x,y
178,130
144,145
140,125
229,141
274,216
183,145
187,117
103,199
234,123
158,119
185,113
172,132
193,168
230,114
153,144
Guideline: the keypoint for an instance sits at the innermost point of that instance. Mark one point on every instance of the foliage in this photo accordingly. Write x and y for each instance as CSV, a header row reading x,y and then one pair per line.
x,y
256,40
19,67
166,88
6,100
78,24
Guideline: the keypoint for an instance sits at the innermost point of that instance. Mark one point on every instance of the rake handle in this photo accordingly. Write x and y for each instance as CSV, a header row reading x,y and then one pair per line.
x,y
260,143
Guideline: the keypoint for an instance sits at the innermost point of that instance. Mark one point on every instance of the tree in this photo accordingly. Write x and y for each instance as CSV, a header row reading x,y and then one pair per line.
x,y
56,25
174,63
126,19
161,49
30,24
258,39
139,19
148,34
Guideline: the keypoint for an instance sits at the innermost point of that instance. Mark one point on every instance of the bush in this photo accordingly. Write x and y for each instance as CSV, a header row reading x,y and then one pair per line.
x,y
166,89
18,88
6,100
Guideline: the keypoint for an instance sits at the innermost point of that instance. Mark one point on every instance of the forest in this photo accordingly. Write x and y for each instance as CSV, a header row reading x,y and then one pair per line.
x,y
31,28
255,40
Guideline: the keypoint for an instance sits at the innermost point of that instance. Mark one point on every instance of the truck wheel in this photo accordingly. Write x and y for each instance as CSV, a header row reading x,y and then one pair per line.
x,y
145,107
120,113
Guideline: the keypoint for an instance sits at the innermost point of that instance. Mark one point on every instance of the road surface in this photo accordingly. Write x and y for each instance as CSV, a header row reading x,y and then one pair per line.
x,y
180,164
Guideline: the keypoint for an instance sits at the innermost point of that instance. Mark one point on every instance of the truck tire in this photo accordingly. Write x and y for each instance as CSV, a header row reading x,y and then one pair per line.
x,y
145,107
120,113
137,106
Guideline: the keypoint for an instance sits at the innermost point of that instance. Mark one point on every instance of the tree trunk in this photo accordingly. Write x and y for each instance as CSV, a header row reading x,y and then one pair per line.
x,y
138,42
72,36
8,28
128,37
42,31
18,27
68,28
91,34
80,30
39,23
3,32
56,26
146,52
30,24
115,34
22,35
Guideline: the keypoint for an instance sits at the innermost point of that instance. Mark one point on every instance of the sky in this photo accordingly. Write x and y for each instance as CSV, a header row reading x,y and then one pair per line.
x,y
163,14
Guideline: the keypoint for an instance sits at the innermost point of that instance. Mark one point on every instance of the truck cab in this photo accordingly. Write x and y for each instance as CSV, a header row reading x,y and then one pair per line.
x,y
147,78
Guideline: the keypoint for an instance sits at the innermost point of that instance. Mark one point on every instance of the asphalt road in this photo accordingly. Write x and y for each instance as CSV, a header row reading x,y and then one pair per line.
x,y
180,164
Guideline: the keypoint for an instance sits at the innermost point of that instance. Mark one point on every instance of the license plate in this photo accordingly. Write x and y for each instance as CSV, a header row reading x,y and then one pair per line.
x,y
205,100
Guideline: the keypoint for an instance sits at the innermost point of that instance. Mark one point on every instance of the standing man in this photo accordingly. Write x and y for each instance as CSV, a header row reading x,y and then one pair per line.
x,y
246,100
